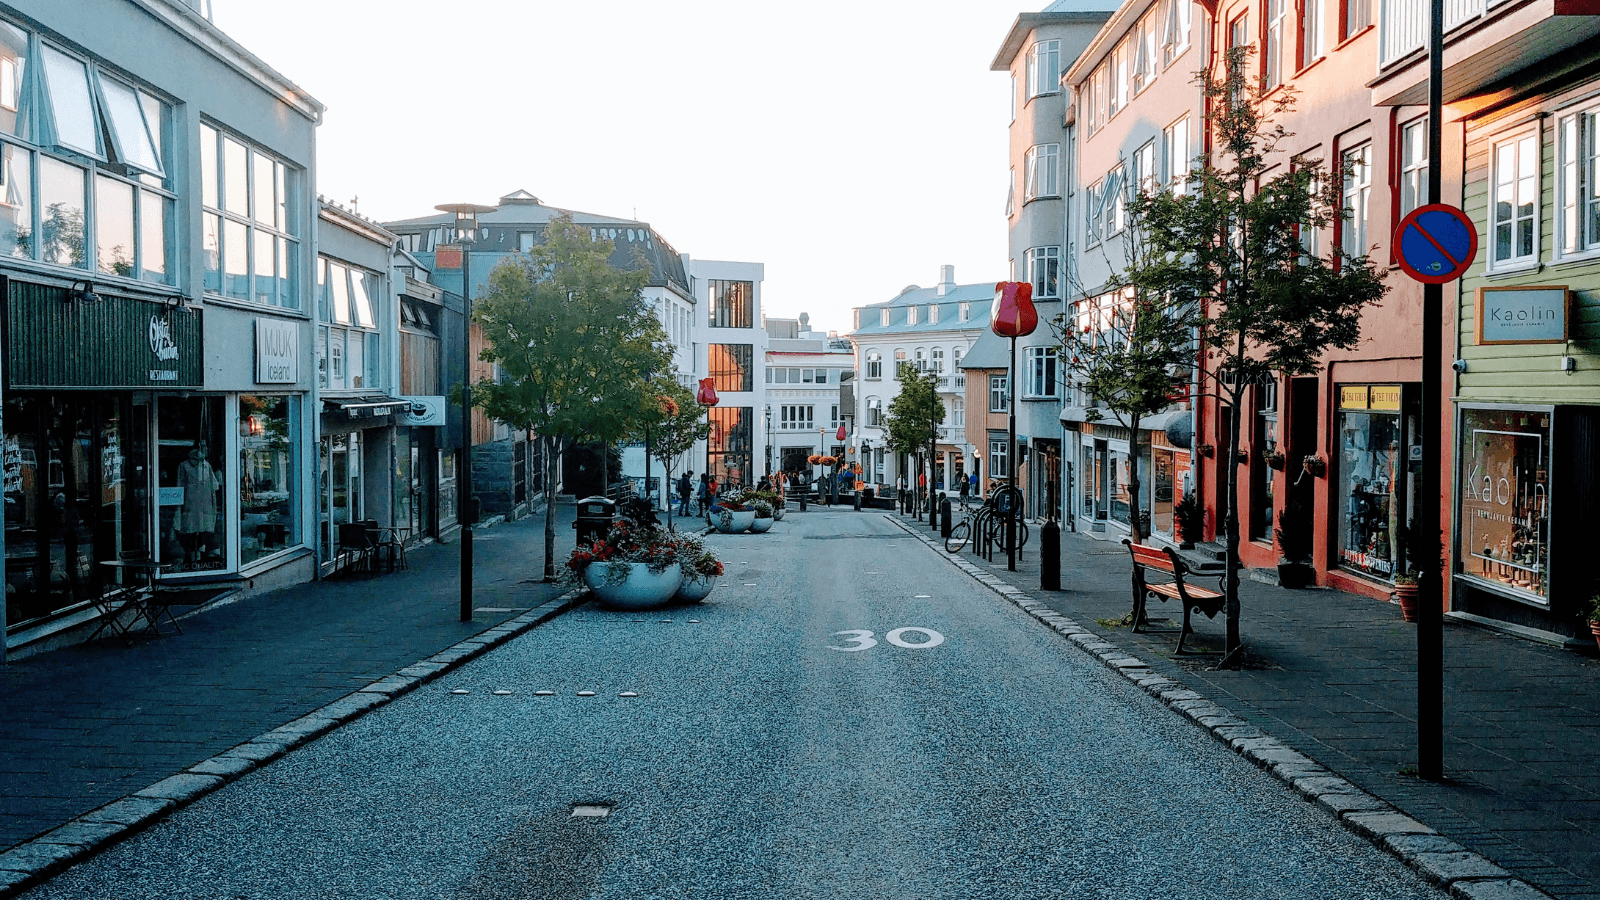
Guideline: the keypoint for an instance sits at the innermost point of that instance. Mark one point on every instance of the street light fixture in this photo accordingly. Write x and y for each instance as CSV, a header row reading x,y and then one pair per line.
x,y
466,233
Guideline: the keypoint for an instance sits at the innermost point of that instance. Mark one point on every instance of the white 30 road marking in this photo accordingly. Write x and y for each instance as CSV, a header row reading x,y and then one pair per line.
x,y
863,639
934,638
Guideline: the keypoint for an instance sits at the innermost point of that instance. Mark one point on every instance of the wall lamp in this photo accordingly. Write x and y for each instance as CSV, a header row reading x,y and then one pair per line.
x,y
85,295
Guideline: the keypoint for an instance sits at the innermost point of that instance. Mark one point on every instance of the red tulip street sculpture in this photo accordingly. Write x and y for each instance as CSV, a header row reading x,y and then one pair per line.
x,y
706,396
1012,316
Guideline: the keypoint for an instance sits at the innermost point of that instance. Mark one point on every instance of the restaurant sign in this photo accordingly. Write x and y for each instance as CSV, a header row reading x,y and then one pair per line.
x,y
54,339
1523,315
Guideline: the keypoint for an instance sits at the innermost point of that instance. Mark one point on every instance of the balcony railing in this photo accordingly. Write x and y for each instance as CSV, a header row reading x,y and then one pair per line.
x,y
952,434
952,383
1404,24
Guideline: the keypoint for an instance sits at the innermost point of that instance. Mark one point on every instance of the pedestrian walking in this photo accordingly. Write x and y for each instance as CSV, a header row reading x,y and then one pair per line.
x,y
702,499
685,489
966,488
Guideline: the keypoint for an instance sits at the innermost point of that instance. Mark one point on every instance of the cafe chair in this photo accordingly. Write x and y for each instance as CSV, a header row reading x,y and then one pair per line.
x,y
356,542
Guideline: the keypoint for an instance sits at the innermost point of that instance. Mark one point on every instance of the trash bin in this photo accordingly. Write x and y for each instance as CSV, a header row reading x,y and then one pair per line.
x,y
595,515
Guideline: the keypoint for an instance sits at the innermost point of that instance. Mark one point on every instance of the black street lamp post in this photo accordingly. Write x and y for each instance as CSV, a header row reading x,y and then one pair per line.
x,y
466,232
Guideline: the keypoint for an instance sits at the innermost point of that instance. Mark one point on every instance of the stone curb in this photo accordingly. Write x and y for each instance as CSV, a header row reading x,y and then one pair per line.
x,y
33,862
1439,860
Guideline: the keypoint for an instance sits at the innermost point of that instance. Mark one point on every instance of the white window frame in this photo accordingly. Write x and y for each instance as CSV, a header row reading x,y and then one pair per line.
x,y
958,412
1043,68
1044,373
1578,184
883,318
1355,231
936,360
999,394
1413,155
874,412
1517,181
999,458
874,365
1313,32
1276,15
911,315
1115,202
1177,19
1177,158
1042,165
1093,209
1044,272
933,313
965,311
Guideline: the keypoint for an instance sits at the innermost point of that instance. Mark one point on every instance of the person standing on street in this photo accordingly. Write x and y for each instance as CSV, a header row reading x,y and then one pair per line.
x,y
966,487
685,488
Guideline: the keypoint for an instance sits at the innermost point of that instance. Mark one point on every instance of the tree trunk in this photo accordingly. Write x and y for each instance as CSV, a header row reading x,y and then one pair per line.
x,y
1231,529
551,445
1135,533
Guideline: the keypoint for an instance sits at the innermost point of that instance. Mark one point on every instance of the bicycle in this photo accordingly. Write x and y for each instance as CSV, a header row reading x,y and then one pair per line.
x,y
989,522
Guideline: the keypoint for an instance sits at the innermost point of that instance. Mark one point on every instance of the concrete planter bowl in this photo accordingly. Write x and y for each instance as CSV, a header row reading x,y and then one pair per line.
x,y
731,522
637,588
758,524
695,588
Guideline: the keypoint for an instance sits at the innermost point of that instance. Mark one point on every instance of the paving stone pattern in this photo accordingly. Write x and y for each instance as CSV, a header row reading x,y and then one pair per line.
x,y
1332,676
89,725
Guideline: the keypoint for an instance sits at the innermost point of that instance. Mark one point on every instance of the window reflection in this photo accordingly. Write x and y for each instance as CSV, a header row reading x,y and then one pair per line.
x,y
16,216
267,518
61,201
70,101
113,212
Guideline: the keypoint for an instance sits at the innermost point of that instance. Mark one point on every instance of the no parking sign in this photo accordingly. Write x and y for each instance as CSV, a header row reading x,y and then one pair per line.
x,y
1436,243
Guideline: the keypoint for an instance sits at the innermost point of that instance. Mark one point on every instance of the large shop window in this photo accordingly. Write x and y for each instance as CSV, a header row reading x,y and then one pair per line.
x,y
103,198
268,500
1378,456
250,234
1504,501
732,366
340,490
730,443
192,470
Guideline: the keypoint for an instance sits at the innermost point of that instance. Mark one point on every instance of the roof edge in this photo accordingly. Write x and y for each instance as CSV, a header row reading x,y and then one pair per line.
x,y
1026,22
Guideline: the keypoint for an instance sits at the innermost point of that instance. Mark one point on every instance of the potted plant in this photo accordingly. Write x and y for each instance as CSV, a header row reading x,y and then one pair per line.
x,y
700,572
1405,594
1273,458
1189,520
1594,617
764,519
772,499
732,515
1315,466
1295,569
638,565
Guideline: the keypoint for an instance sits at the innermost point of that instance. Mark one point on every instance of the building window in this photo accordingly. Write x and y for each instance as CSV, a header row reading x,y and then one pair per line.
x,y
1503,502
1091,100
1178,161
269,518
1044,68
1579,186
250,242
883,318
731,366
349,301
1374,490
874,411
919,362
1413,165
796,418
1514,210
1145,177
958,412
1042,369
999,458
999,394
1093,209
899,361
1013,96
1117,90
1272,63
103,199
911,315
1144,42
1041,172
1307,232
1312,45
729,446
933,314
834,420
1357,200
965,311
1044,271
1357,15
732,303
955,359
1011,193
874,364
1176,16
936,360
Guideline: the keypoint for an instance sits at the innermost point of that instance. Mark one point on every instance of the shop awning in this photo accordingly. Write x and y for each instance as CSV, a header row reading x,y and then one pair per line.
x,y
1072,414
374,406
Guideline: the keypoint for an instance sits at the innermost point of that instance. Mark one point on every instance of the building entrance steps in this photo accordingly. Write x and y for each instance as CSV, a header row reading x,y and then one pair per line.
x,y
87,726
1331,676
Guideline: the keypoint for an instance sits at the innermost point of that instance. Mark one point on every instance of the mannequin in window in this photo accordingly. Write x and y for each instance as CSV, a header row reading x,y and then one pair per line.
x,y
197,518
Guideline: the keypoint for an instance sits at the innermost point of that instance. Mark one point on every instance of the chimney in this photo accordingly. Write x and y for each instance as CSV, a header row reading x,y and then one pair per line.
x,y
947,280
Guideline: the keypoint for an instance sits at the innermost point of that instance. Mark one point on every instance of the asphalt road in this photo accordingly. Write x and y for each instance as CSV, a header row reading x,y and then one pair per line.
x,y
758,761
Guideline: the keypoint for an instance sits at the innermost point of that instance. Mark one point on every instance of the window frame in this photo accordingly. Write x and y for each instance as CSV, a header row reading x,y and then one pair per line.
x,y
1578,184
874,365
1174,178
1044,374
1047,287
1410,170
1355,232
284,235
735,305
1042,159
999,394
1515,261
1039,68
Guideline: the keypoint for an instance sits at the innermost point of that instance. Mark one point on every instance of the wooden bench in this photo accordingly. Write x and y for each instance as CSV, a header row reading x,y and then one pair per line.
x,y
1188,596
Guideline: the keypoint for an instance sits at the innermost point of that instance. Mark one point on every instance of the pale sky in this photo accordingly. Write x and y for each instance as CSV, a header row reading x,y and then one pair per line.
x,y
851,147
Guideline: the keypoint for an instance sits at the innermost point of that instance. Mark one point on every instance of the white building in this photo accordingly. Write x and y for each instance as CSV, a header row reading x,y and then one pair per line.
x,y
932,329
728,344
807,373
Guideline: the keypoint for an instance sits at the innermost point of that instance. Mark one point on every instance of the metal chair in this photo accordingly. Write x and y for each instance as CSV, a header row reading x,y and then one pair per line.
x,y
356,540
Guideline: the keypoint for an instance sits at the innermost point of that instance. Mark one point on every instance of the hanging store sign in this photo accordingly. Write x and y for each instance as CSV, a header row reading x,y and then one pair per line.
x,y
277,351
424,411
1523,315
54,339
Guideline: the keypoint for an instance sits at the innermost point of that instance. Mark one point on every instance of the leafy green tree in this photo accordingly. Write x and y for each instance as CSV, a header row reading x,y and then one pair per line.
x,y
671,427
575,341
1237,242
914,413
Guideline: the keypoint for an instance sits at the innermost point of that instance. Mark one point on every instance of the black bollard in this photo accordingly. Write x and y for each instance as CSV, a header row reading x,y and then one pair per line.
x,y
802,498
1050,557
858,501
933,520
944,516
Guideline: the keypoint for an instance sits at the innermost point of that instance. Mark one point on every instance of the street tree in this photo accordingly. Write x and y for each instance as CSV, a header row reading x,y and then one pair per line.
x,y
575,341
671,426
1239,241
914,413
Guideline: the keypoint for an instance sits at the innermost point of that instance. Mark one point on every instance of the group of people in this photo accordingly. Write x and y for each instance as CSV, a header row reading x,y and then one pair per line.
x,y
701,497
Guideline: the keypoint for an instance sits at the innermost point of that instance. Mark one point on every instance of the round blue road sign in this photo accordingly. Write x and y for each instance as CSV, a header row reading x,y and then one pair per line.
x,y
1435,243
